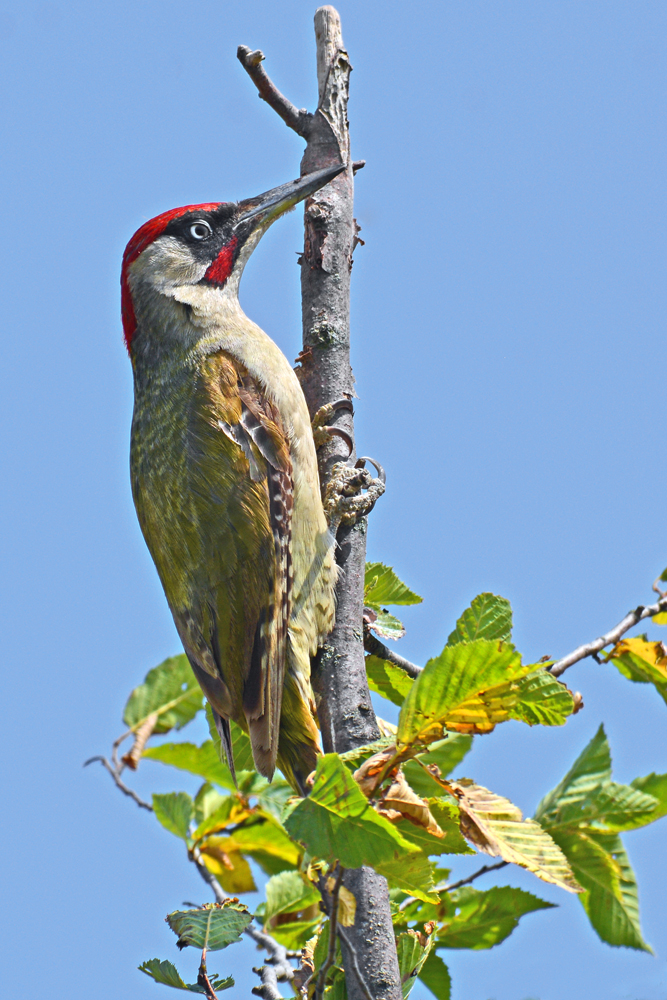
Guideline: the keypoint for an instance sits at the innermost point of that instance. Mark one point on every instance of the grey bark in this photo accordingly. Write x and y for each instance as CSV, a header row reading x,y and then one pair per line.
x,y
346,714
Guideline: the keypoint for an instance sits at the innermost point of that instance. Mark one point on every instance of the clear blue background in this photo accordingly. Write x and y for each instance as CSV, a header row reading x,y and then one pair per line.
x,y
509,350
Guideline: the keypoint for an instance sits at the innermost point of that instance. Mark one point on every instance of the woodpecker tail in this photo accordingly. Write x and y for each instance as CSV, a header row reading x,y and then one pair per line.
x,y
225,733
298,746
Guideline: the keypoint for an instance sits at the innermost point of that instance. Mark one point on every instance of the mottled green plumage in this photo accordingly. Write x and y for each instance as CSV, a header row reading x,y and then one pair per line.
x,y
224,476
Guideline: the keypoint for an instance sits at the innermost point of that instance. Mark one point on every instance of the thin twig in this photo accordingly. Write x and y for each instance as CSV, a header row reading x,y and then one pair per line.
x,y
456,885
203,980
373,645
471,878
355,964
119,783
333,926
208,877
614,634
298,120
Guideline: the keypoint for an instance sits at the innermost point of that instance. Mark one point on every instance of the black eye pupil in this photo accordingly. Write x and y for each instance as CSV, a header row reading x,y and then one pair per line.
x,y
200,230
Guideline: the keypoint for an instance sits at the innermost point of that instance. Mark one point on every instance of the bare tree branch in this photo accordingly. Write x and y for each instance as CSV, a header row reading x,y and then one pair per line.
x,y
277,968
346,715
115,774
614,634
373,645
298,120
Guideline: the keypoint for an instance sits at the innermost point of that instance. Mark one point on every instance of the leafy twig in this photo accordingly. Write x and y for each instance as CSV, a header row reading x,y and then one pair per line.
x,y
614,634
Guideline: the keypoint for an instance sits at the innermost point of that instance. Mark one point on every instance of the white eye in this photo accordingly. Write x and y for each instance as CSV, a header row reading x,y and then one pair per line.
x,y
200,230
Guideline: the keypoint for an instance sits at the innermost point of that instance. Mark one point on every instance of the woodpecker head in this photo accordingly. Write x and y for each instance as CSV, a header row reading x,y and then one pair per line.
x,y
206,245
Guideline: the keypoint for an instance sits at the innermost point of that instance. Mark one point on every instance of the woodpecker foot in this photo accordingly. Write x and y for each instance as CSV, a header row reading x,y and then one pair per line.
x,y
322,432
344,502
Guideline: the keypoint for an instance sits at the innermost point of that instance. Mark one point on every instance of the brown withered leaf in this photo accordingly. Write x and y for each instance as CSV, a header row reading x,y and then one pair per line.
x,y
133,756
367,775
497,827
400,798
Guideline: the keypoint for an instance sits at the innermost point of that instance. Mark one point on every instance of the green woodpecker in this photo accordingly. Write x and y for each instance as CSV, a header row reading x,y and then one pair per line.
x,y
224,475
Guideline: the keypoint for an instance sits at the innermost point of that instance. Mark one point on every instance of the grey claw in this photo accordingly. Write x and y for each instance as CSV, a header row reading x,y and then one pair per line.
x,y
338,432
343,404
381,474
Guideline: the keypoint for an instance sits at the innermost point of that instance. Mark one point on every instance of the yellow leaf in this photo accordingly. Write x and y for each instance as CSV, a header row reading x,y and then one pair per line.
x,y
654,653
347,904
229,867
660,619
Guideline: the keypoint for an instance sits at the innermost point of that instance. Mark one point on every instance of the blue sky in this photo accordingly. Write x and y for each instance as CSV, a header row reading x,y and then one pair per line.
x,y
510,358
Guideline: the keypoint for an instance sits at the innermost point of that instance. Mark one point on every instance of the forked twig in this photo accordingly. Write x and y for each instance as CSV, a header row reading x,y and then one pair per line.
x,y
610,637
115,774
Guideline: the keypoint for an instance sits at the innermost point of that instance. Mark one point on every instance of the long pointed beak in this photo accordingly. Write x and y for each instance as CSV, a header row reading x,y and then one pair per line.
x,y
265,208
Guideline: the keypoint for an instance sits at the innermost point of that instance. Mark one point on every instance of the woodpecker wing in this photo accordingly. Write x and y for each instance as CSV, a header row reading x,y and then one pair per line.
x,y
226,511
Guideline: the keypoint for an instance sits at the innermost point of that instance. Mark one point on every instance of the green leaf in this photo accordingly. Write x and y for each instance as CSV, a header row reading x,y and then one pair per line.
x,y
230,811
168,975
288,893
387,680
445,754
243,760
543,700
484,919
469,688
354,758
336,822
584,814
294,934
610,898
382,586
587,797
655,785
169,689
387,626
213,926
207,802
663,576
175,811
488,617
446,816
564,804
411,957
204,761
273,798
435,977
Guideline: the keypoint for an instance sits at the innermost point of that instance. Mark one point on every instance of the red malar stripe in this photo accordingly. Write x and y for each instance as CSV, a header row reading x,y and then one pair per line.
x,y
221,267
